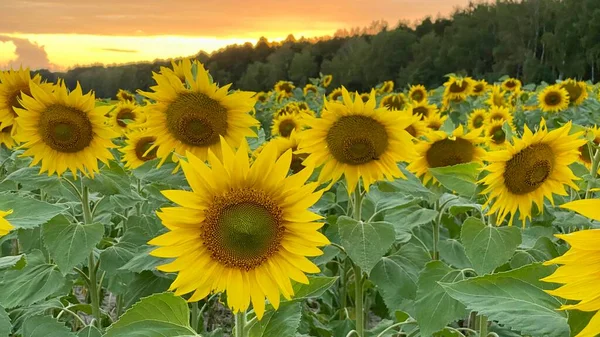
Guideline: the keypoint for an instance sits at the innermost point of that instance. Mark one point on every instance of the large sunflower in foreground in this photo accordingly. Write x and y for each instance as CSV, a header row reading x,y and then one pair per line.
x,y
137,148
417,93
511,84
477,119
13,85
579,270
553,99
64,130
458,88
357,140
243,229
284,124
441,150
5,226
577,91
529,170
193,119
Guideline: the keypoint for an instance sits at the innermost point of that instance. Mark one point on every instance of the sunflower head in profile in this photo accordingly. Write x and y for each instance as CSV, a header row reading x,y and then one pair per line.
x,y
285,124
179,68
291,143
335,94
310,89
64,130
441,149
586,152
435,121
422,109
387,87
5,226
479,88
495,136
511,84
125,96
138,148
496,113
497,97
577,91
417,93
327,80
477,119
284,88
192,119
125,116
458,88
393,102
262,97
357,140
6,137
244,229
553,99
13,85
579,268
529,170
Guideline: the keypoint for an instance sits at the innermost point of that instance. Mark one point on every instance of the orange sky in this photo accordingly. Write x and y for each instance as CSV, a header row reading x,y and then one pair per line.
x,y
59,34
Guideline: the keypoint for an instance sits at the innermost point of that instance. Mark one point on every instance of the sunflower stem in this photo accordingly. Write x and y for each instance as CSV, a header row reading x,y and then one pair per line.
x,y
358,301
357,203
195,316
483,326
593,173
92,267
436,232
240,324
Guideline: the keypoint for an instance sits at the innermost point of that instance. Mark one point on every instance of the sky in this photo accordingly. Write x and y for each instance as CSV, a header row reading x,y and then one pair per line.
x,y
61,34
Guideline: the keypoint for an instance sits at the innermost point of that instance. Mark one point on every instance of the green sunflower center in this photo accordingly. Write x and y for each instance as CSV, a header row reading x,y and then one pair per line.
x,y
243,228
357,140
498,135
457,88
553,98
286,127
478,121
529,169
144,145
196,119
417,95
65,129
125,116
448,152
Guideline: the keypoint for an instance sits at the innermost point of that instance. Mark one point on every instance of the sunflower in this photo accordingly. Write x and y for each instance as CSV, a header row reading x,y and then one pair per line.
x,y
64,130
244,229
124,116
357,140
335,94
193,119
125,96
284,124
261,97
458,88
284,88
310,88
496,113
135,152
13,85
479,88
577,91
511,84
327,80
179,68
422,109
553,99
5,226
393,102
477,119
387,87
417,127
435,121
291,143
495,135
497,97
584,151
6,137
441,150
417,93
531,169
365,97
579,267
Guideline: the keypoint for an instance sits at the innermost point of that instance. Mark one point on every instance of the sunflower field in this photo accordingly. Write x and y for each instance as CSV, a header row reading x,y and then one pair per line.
x,y
192,209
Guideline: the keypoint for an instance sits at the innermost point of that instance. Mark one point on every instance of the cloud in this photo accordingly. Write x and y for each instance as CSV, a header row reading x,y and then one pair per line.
x,y
28,54
117,50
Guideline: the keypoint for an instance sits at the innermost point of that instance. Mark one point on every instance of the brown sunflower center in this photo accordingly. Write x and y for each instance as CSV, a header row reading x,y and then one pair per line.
x,y
13,99
7,129
285,87
457,88
196,119
262,98
297,159
125,116
335,95
434,125
478,121
498,135
510,84
421,110
142,146
478,88
529,169
286,127
448,152
65,129
497,116
364,98
357,140
311,89
411,130
553,98
243,228
417,95
393,102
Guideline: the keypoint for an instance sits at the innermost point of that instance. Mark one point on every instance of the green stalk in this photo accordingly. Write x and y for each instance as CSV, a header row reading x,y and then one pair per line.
x,y
240,324
483,326
194,318
358,294
92,267
593,172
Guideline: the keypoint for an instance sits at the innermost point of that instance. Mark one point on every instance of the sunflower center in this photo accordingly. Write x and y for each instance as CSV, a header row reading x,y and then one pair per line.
x,y
196,119
422,111
335,95
357,140
124,116
434,125
458,88
285,87
511,84
478,88
498,135
553,99
243,228
13,100
65,129
447,152
297,159
286,127
393,103
417,96
497,117
6,129
574,91
411,130
142,146
478,121
529,169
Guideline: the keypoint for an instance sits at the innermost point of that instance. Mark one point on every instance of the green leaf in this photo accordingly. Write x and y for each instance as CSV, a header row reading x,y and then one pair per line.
x,y
31,284
144,284
405,219
89,331
69,243
12,261
460,178
112,180
488,247
358,240
316,287
284,322
514,299
543,250
163,315
409,186
45,326
27,212
435,309
452,252
400,269
163,175
143,261
5,325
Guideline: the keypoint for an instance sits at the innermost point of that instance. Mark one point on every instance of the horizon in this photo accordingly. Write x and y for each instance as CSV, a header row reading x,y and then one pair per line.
x,y
115,33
